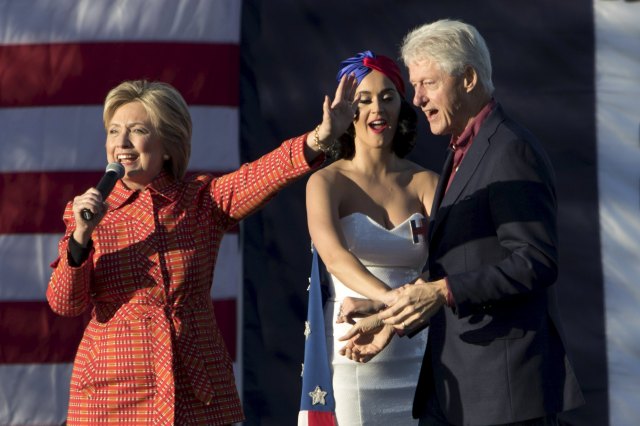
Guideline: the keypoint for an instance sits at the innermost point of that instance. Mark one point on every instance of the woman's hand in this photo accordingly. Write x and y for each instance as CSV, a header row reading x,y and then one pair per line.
x,y
339,114
367,338
91,200
353,307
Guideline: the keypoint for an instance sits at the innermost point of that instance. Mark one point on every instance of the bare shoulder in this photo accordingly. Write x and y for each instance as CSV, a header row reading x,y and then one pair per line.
x,y
422,183
420,175
326,177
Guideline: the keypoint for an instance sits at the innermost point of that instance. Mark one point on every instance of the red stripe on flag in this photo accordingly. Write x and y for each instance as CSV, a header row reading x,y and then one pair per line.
x,y
321,418
30,332
82,73
34,202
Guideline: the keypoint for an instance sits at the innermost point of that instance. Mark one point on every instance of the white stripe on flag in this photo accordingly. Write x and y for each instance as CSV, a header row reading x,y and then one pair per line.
x,y
34,394
617,114
37,394
44,21
73,138
32,271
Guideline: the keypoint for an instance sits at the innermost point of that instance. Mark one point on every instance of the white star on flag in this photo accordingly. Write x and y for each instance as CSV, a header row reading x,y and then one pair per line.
x,y
317,396
307,330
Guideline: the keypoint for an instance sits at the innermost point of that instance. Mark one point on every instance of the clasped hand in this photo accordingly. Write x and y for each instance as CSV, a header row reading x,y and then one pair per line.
x,y
408,307
415,304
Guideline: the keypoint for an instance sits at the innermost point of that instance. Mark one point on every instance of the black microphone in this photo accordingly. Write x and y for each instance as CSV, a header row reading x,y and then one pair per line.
x,y
114,172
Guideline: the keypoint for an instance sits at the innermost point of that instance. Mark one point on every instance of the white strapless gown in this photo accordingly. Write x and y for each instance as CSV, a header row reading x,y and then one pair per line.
x,y
381,391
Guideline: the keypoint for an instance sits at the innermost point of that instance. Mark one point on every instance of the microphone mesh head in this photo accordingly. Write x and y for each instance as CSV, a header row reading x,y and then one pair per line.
x,y
117,168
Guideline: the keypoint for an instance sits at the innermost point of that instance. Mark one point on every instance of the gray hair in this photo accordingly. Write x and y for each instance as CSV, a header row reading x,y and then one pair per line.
x,y
453,45
168,113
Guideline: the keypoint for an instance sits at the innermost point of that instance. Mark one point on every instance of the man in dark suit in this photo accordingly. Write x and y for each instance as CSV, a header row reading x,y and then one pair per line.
x,y
494,354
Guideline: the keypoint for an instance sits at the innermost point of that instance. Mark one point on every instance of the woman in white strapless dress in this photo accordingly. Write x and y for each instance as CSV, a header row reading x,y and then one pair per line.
x,y
379,392
367,216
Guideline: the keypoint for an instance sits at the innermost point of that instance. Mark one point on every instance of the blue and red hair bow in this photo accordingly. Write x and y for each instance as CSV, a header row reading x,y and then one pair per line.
x,y
362,64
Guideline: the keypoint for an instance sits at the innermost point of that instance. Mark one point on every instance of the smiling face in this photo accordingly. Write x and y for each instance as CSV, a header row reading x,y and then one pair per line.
x,y
133,141
378,110
440,96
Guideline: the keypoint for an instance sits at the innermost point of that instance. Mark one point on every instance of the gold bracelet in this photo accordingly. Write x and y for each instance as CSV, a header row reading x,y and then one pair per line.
x,y
316,138
316,141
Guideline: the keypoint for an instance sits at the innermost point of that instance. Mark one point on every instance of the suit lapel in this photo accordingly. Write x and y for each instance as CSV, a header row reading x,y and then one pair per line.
x,y
467,168
442,184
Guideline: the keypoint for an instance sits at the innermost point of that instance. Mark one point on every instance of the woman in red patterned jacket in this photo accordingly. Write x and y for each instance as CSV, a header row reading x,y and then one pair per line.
x,y
152,352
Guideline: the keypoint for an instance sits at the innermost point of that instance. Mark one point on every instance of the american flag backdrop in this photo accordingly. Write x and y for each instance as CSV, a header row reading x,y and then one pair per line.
x,y
254,73
58,59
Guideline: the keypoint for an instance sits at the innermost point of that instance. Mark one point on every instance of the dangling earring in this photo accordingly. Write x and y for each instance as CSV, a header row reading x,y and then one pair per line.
x,y
165,157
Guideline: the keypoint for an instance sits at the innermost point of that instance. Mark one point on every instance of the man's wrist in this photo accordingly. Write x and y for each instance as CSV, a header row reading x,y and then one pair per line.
x,y
442,289
445,290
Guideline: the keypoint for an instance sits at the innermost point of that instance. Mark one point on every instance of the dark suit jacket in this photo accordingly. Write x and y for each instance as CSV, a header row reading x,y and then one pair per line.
x,y
497,357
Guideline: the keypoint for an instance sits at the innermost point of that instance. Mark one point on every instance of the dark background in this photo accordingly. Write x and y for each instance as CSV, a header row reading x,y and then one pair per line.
x,y
543,70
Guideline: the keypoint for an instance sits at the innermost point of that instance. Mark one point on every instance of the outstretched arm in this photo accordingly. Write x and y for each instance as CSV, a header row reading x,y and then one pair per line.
x,y
244,191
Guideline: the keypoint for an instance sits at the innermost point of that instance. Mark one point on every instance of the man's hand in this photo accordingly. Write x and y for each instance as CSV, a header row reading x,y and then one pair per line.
x,y
415,304
367,338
